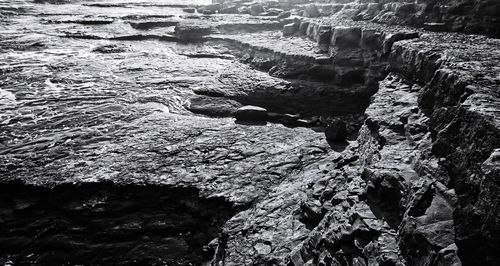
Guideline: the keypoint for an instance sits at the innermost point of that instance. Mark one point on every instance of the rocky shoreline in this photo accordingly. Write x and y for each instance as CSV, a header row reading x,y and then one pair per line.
x,y
415,186
413,180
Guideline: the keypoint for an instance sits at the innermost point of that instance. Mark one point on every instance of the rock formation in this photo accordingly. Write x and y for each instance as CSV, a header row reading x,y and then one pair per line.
x,y
328,132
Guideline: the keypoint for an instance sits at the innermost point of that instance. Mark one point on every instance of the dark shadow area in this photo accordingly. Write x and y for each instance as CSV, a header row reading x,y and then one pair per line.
x,y
108,224
338,146
250,123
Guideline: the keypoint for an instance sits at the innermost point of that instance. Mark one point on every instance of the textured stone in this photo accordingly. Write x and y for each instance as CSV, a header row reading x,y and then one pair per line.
x,y
250,113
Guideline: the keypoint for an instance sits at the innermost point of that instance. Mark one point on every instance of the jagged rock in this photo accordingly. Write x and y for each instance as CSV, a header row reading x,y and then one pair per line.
x,y
421,244
251,113
448,256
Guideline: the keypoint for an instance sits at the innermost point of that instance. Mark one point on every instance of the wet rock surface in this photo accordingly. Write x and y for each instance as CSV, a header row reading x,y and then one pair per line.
x,y
249,133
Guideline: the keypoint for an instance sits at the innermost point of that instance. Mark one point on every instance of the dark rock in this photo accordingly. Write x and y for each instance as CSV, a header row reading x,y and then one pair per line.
x,y
436,26
207,12
336,131
346,37
146,25
324,37
189,10
284,14
110,48
286,119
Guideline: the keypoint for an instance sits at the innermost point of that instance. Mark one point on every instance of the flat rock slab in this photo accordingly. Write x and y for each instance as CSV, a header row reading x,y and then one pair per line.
x,y
251,113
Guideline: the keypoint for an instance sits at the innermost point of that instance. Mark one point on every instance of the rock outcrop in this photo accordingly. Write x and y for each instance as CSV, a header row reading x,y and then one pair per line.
x,y
417,185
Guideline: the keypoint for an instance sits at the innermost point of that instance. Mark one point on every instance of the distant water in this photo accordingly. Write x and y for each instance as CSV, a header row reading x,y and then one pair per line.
x,y
163,2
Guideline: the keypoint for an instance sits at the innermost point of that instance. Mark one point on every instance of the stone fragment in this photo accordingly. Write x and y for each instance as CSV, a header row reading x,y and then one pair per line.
x,y
284,14
290,29
262,248
251,113
189,10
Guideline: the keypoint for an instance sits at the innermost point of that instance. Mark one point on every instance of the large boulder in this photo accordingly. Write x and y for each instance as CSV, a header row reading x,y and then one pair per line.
x,y
212,106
